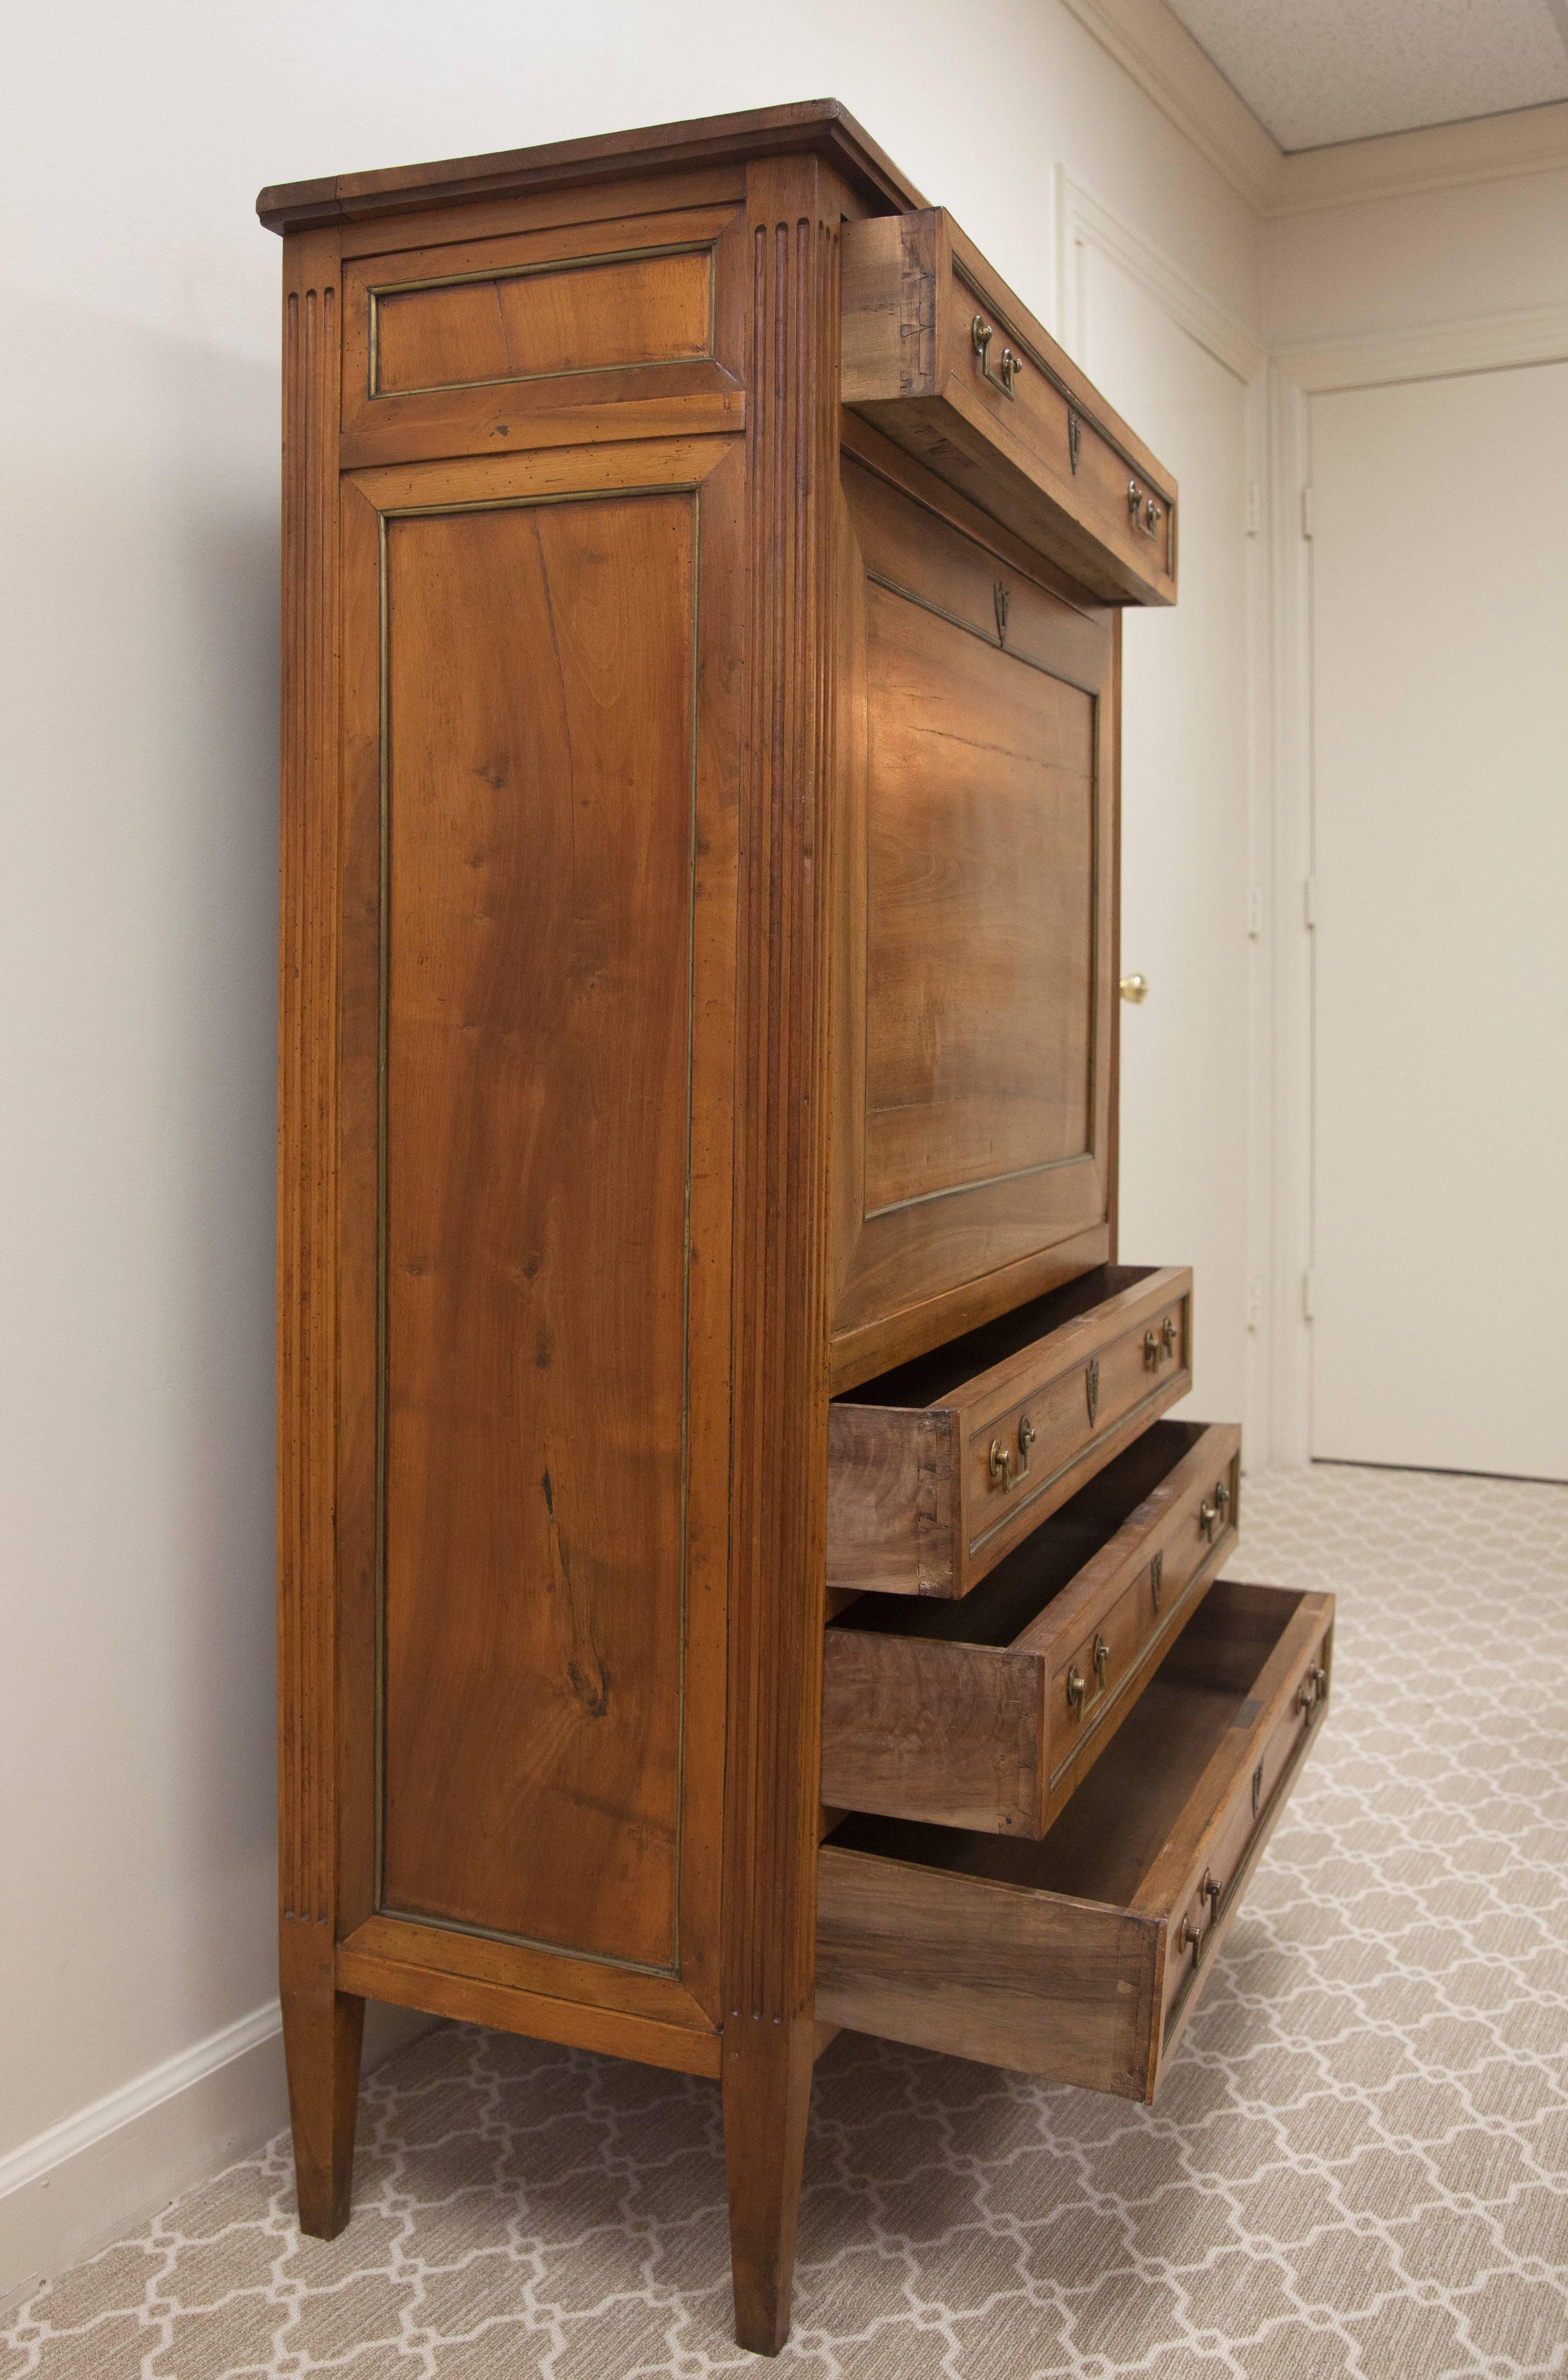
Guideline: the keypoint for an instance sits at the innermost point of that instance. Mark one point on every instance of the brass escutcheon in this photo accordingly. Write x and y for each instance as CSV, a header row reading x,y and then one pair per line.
x,y
1101,1658
1075,1688
1207,1514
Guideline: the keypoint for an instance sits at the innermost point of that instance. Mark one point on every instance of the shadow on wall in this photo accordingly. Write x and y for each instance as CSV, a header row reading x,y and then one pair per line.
x,y
136,1219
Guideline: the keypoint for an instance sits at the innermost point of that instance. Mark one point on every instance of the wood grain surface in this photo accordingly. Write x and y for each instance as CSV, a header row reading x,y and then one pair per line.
x,y
541,733
974,891
1064,1956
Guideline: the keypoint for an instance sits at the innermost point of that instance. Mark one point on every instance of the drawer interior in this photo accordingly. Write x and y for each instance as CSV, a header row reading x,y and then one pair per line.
x,y
1027,1580
930,1379
1106,1842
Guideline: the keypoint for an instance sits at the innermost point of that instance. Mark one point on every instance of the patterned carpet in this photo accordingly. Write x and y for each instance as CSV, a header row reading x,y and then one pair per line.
x,y
1359,2162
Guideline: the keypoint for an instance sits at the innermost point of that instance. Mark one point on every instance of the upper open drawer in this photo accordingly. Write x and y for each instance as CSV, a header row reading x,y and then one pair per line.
x,y
938,1469
948,363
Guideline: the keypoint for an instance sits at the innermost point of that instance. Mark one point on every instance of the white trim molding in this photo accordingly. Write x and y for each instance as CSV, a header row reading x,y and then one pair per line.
x,y
1155,50
1440,351
1084,220
98,2173
1443,351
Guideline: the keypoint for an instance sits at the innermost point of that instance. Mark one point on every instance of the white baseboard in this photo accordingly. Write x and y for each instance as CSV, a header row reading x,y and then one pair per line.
x,y
105,2170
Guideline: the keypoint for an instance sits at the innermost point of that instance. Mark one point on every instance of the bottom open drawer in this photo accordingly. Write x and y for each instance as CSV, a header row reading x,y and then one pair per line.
x,y
1081,1956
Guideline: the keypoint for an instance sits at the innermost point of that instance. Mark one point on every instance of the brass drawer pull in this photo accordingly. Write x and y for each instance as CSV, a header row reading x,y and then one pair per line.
x,y
982,333
1207,1514
1195,1938
1159,1345
1144,511
1002,1460
1313,1689
1075,1688
1101,1658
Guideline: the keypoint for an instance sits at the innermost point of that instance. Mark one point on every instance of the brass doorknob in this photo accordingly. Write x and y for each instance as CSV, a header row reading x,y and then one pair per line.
x,y
1135,988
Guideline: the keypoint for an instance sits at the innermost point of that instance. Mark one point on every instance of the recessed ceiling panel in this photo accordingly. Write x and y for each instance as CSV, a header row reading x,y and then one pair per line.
x,y
1327,70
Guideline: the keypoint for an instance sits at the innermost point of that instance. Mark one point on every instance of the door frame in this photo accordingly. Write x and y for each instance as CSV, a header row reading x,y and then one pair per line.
x,y
1296,375
1085,221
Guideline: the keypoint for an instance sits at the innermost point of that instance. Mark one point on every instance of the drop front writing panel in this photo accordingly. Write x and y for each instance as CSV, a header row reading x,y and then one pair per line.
x,y
537,757
979,908
975,877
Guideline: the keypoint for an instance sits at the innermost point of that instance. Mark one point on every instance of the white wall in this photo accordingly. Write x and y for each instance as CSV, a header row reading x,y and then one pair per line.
x,y
1409,261
138,424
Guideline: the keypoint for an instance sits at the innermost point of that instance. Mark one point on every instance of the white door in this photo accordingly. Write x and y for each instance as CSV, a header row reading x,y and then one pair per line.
x,y
1184,1108
1439,627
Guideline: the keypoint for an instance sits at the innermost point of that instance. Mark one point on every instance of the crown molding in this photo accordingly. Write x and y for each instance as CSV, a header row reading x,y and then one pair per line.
x,y
1155,50
1438,157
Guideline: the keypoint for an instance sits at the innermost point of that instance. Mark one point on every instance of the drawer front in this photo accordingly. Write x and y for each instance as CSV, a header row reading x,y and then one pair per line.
x,y
1219,1873
1189,1544
1033,422
988,1714
938,1470
1071,1958
943,358
1023,1459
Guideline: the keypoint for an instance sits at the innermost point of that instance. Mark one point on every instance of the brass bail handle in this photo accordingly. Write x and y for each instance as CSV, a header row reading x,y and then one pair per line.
x,y
1159,1345
982,333
1006,1468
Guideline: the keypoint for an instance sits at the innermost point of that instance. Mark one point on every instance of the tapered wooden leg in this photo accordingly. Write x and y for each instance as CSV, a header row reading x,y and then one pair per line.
x,y
767,2093
322,2029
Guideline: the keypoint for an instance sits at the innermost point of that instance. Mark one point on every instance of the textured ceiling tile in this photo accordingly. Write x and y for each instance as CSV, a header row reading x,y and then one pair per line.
x,y
1326,70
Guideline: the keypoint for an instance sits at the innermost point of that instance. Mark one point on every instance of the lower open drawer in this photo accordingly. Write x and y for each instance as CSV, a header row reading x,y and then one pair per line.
x,y
1080,1956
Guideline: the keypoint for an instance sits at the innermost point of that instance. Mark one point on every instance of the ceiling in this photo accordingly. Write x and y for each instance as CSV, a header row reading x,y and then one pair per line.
x,y
1318,71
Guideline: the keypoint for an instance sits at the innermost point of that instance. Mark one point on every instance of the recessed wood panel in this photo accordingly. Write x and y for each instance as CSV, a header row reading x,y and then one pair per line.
x,y
537,757
594,316
975,923
979,908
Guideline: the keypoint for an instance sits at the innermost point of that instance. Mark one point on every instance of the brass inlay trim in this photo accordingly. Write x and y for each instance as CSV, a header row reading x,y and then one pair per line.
x,y
380,1905
380,289
524,1942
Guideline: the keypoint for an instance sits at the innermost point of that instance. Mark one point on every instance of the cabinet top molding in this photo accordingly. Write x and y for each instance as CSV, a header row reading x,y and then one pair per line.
x,y
822,124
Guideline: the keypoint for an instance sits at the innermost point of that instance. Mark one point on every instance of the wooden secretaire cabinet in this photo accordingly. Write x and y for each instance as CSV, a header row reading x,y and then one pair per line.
x,y
735,1576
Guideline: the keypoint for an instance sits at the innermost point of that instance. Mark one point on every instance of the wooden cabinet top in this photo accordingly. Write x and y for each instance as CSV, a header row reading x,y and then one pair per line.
x,y
825,125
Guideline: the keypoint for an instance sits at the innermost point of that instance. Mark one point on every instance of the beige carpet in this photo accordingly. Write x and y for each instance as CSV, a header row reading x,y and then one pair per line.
x,y
1359,2162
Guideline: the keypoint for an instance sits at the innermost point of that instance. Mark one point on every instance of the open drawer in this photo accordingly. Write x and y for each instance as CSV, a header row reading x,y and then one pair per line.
x,y
949,363
988,1713
938,1469
1081,1957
